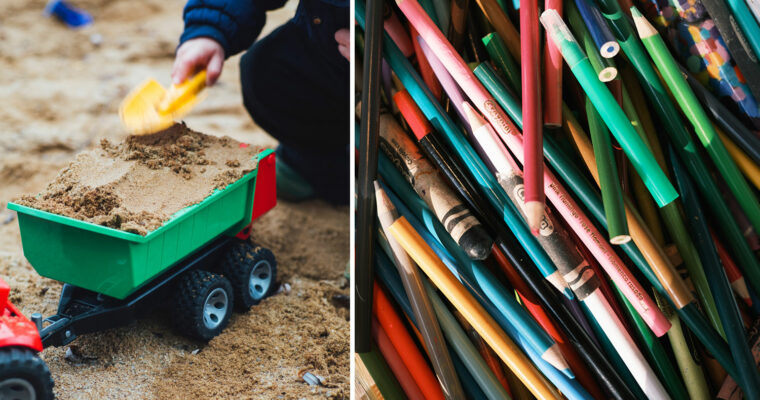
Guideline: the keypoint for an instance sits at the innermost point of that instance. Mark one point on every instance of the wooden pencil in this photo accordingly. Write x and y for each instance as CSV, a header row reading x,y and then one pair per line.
x,y
552,82
395,363
733,273
606,44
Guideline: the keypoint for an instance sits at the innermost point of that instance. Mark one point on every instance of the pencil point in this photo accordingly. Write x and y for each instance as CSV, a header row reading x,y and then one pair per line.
x,y
556,279
473,118
740,287
534,214
554,356
644,28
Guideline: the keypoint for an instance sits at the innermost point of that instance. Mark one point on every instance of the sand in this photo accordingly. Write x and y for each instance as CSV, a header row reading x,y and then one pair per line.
x,y
60,90
137,185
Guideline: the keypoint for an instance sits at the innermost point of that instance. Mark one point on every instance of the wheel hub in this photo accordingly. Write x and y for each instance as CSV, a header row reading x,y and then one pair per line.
x,y
215,308
260,279
16,389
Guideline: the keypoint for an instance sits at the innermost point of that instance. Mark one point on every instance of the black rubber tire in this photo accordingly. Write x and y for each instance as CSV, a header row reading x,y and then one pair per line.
x,y
190,294
23,363
239,260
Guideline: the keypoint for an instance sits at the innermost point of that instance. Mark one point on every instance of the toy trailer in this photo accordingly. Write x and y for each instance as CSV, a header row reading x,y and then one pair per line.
x,y
200,262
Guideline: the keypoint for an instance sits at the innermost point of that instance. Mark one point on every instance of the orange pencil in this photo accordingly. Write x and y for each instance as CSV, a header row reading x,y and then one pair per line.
x,y
552,84
405,345
732,271
531,303
532,121
395,362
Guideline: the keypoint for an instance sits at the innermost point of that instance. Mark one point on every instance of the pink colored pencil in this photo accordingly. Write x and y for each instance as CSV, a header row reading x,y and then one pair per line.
x,y
530,72
552,83
398,34
487,105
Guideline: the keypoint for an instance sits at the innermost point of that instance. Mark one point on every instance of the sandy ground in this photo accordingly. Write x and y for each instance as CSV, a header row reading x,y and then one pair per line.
x,y
59,91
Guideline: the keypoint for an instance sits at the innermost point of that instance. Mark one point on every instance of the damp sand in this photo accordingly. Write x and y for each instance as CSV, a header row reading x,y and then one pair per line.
x,y
138,184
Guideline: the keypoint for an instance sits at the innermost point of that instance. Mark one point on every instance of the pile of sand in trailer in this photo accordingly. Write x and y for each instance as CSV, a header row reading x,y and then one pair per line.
x,y
138,184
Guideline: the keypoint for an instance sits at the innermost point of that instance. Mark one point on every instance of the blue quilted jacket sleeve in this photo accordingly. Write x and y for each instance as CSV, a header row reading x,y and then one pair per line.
x,y
235,24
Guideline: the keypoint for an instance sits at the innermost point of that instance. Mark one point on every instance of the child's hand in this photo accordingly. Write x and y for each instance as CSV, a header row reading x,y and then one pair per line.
x,y
195,55
343,37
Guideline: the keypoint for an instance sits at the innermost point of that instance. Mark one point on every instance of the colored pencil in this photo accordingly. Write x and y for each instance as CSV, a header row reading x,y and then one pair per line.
x,y
463,353
552,77
612,193
748,167
696,115
748,377
517,255
640,156
575,217
424,67
530,72
502,59
477,276
586,287
733,273
675,128
503,26
423,312
531,303
397,32
729,390
373,373
466,80
476,315
747,24
405,345
456,34
604,67
568,386
395,363
643,251
606,44
367,170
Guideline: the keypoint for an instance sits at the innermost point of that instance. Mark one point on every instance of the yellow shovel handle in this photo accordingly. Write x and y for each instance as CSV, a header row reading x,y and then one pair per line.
x,y
179,94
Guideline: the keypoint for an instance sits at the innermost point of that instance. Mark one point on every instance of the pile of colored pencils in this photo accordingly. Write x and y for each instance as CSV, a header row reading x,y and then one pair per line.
x,y
555,201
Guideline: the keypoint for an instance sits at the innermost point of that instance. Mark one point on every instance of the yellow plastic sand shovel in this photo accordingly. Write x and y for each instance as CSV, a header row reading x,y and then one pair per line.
x,y
150,108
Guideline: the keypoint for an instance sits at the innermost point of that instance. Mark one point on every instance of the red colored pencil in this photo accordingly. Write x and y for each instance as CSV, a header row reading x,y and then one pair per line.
x,y
732,271
532,121
424,66
531,303
552,84
395,362
405,345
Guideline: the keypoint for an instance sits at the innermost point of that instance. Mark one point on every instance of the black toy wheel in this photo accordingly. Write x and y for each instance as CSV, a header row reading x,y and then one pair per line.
x,y
252,270
202,304
24,376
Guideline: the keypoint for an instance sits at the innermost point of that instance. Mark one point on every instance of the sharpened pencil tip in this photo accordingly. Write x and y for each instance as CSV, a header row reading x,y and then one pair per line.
x,y
534,214
644,28
554,356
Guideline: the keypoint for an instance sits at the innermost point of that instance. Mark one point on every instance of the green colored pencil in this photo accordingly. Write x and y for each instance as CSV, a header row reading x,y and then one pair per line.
x,y
748,377
499,54
381,374
604,67
697,116
641,158
612,193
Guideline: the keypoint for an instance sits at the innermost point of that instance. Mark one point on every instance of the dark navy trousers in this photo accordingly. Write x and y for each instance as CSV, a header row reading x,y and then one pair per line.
x,y
297,89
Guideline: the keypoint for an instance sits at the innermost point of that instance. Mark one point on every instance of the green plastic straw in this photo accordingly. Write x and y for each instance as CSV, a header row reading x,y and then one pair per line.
x,y
697,116
749,379
503,60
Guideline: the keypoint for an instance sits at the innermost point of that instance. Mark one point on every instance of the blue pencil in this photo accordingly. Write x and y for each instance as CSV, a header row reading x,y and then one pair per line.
x,y
597,25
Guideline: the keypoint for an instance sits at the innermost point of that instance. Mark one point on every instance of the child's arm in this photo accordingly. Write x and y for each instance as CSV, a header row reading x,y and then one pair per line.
x,y
232,25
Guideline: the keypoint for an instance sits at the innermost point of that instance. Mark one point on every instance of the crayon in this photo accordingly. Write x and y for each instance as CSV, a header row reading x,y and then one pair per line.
x,y
459,221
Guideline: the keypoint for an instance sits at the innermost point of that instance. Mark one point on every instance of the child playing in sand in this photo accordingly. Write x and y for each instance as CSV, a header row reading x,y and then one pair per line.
x,y
295,83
